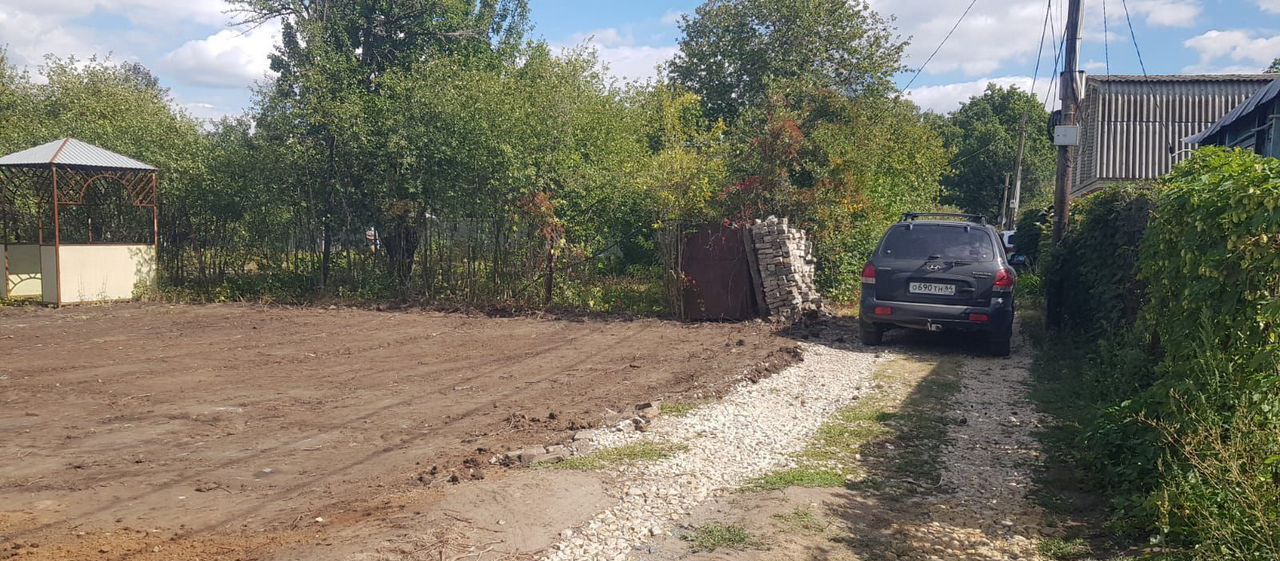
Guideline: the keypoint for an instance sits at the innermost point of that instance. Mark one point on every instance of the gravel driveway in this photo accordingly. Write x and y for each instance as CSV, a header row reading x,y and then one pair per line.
x,y
752,432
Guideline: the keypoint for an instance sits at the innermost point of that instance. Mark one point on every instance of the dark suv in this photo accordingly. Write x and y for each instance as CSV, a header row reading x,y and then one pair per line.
x,y
940,272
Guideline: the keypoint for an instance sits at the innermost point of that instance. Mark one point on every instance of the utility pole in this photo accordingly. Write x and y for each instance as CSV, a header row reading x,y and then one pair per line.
x,y
1067,132
1017,182
1004,204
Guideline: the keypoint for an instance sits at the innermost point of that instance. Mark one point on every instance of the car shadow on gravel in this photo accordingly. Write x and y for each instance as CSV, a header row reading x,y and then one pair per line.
x,y
889,512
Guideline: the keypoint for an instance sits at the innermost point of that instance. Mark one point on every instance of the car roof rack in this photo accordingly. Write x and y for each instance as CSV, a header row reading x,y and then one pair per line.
x,y
910,216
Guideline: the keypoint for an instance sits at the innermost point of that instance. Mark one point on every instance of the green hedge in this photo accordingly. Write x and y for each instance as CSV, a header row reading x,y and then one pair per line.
x,y
1181,391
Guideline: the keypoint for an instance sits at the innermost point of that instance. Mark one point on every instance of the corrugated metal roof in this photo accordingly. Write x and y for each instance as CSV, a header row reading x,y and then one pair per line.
x,y
72,153
1181,78
1264,95
1133,127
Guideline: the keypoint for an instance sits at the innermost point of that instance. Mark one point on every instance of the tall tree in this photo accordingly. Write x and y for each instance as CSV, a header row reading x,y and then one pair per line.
x,y
842,168
734,49
983,136
1274,68
330,66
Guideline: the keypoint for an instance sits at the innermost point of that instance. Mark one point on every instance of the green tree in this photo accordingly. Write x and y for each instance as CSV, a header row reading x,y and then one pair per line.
x,y
331,64
983,134
843,168
1274,68
733,49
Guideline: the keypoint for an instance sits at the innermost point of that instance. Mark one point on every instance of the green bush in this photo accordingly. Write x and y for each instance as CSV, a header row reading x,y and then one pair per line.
x,y
1093,272
1211,262
1177,292
1033,228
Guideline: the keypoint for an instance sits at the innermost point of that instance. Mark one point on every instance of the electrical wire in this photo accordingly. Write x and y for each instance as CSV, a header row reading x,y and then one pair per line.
x,y
1035,76
1134,35
1106,37
940,45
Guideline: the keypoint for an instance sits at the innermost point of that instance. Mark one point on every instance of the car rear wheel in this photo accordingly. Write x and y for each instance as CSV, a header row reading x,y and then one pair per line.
x,y
872,334
1001,344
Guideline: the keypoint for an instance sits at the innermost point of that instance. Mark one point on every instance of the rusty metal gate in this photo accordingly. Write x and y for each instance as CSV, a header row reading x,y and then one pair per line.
x,y
717,275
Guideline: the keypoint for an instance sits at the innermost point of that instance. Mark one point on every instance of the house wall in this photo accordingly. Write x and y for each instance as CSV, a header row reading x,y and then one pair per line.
x,y
1132,128
24,272
95,273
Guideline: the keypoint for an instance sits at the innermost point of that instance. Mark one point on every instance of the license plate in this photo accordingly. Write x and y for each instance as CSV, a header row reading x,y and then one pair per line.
x,y
932,288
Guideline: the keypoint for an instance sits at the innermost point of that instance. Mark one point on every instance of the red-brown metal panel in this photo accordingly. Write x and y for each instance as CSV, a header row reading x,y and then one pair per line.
x,y
717,275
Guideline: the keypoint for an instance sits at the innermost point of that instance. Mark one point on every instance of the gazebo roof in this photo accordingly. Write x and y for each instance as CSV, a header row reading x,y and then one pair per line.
x,y
70,152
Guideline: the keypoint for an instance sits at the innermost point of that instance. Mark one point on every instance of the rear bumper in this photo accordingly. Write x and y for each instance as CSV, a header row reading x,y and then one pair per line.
x,y
938,317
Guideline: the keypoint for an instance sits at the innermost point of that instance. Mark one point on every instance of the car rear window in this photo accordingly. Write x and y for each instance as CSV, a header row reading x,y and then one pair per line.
x,y
946,242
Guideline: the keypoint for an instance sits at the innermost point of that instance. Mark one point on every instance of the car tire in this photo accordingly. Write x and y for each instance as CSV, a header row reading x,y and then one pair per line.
x,y
1001,344
872,335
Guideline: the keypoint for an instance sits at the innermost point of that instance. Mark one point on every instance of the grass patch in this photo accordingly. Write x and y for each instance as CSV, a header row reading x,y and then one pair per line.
x,y
679,409
714,536
610,457
1065,550
799,477
804,520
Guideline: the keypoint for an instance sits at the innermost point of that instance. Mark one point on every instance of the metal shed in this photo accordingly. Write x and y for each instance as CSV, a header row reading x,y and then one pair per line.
x,y
1133,127
78,223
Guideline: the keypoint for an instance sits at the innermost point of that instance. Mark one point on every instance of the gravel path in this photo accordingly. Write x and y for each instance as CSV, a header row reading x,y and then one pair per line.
x,y
990,463
752,432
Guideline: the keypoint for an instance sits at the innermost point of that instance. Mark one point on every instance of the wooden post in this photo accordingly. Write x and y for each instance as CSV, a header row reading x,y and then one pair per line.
x,y
757,284
57,243
1070,109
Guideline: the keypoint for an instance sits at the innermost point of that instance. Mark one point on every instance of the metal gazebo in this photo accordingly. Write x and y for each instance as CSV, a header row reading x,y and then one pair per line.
x,y
41,188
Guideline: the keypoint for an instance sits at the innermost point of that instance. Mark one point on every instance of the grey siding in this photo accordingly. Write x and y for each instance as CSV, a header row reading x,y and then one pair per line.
x,y
1132,127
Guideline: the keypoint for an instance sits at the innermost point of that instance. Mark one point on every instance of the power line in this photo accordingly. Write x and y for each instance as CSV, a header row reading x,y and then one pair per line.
x,y
940,45
1133,34
1035,76
1106,37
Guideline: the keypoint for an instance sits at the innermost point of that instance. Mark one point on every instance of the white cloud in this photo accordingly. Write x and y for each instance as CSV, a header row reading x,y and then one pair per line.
x,y
227,59
1164,13
207,12
946,98
625,60
1271,6
1233,50
28,36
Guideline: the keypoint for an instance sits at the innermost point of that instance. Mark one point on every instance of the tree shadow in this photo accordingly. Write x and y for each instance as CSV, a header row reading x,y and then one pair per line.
x,y
900,505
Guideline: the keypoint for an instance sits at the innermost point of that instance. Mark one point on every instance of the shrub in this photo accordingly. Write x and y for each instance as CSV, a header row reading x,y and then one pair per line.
x,y
1177,289
1033,228
1093,272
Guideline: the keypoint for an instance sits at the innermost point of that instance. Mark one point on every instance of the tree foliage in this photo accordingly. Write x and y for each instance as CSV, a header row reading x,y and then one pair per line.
x,y
426,149
733,50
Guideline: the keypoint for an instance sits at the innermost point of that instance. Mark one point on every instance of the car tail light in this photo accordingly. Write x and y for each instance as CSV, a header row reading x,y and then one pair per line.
x,y
1004,280
980,318
869,274
883,311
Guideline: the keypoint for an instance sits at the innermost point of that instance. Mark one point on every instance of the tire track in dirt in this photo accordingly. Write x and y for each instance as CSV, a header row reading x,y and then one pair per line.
x,y
185,478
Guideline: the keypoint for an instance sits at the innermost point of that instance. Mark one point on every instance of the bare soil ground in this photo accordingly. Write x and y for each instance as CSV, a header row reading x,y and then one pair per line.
x,y
239,432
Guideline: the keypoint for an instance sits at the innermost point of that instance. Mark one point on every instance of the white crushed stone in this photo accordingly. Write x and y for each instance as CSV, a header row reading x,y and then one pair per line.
x,y
754,431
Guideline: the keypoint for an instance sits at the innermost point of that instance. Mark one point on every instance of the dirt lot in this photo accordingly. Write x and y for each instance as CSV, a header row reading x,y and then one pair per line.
x,y
239,432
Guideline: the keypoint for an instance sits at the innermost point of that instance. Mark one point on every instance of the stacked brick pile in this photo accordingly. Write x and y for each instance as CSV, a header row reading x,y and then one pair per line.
x,y
785,260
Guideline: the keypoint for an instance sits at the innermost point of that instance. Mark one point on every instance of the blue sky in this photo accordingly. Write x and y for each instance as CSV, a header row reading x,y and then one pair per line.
x,y
211,65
